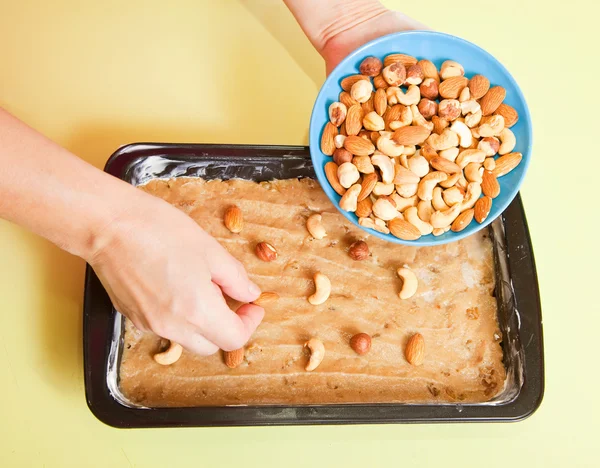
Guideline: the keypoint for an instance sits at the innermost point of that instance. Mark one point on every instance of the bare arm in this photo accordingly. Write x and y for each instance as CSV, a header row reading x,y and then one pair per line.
x,y
159,268
337,27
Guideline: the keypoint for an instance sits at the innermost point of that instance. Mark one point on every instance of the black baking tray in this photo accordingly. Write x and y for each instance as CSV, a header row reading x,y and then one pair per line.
x,y
518,296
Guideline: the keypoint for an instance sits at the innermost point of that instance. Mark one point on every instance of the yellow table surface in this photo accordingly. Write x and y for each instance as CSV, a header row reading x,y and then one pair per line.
x,y
96,75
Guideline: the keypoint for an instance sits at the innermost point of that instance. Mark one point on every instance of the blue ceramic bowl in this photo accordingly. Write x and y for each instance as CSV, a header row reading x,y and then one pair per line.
x,y
436,47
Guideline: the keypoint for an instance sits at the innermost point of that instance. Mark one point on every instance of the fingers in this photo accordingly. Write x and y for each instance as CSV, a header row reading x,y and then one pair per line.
x,y
194,342
223,327
230,274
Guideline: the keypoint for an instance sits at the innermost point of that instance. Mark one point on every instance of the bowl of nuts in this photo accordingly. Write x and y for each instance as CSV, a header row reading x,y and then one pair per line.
x,y
420,138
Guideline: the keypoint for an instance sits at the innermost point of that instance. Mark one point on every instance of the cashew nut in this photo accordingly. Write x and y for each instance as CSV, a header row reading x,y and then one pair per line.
x,y
470,155
508,141
314,226
424,210
385,208
409,150
470,106
373,122
338,140
447,139
475,133
409,283
462,183
472,195
418,165
451,180
322,289
474,172
170,355
437,201
427,184
380,223
388,146
419,119
472,120
463,132
370,224
349,200
395,95
386,165
441,219
347,174
317,353
450,154
406,190
465,94
491,126
412,216
438,232
403,161
452,196
404,203
404,176
382,189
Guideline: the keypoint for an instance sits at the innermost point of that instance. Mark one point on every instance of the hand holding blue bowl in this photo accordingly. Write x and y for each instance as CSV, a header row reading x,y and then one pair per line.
x,y
437,48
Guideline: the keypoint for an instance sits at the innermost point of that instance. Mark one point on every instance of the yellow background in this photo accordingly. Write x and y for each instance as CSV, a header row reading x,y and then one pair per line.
x,y
96,75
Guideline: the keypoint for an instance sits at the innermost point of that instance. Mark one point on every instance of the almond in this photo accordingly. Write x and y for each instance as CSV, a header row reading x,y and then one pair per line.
x,y
371,66
492,100
266,252
233,219
266,298
406,60
429,70
359,250
452,87
327,139
347,100
368,184
233,358
506,163
482,209
349,81
490,185
360,343
509,113
354,119
478,85
331,169
403,229
428,152
414,135
364,207
392,114
463,220
363,164
359,146
415,349
442,164
380,101
368,106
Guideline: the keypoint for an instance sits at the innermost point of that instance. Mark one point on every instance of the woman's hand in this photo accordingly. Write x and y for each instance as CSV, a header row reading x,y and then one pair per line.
x,y
166,274
337,27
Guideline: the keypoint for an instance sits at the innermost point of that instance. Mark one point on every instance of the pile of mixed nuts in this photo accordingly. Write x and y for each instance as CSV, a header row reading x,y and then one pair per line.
x,y
415,147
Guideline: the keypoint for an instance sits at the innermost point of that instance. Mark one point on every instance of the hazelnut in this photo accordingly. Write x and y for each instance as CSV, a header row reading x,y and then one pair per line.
x,y
489,145
373,122
449,109
361,91
371,66
361,343
337,113
359,250
414,75
427,108
266,252
341,156
365,134
394,74
429,88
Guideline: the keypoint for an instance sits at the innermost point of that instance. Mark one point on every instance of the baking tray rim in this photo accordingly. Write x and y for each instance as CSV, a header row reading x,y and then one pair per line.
x,y
111,412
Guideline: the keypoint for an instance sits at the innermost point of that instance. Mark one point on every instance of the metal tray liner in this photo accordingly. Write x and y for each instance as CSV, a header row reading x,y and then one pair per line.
x,y
517,293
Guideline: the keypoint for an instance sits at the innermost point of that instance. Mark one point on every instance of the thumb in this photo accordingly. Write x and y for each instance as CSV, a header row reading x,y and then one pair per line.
x,y
230,274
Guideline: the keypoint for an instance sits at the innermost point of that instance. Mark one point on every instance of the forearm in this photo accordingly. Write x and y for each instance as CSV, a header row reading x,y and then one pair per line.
x,y
51,192
337,27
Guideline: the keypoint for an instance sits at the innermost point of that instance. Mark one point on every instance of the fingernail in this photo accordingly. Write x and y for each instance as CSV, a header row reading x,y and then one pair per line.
x,y
254,289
